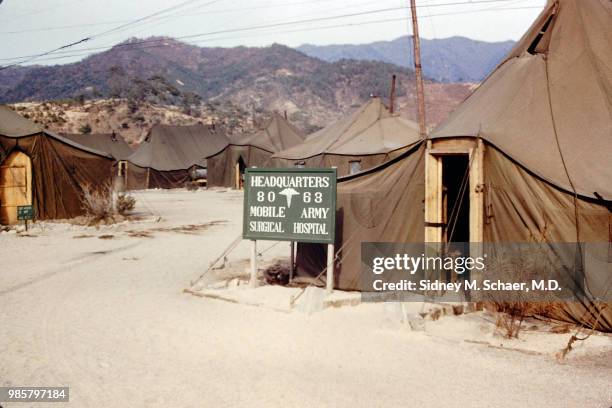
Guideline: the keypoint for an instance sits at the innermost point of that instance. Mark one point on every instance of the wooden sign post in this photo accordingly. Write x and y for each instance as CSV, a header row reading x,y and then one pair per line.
x,y
25,213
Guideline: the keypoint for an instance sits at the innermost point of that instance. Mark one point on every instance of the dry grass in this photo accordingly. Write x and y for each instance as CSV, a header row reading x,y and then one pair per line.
x,y
191,228
102,206
139,234
191,186
82,236
97,203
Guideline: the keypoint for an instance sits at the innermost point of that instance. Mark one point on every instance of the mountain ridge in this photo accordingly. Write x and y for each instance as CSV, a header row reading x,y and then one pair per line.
x,y
443,60
313,92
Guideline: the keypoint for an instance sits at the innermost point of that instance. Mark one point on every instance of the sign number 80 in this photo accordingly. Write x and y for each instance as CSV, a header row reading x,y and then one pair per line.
x,y
261,196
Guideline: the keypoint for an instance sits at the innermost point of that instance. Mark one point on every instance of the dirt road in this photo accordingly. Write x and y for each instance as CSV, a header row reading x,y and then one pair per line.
x,y
102,311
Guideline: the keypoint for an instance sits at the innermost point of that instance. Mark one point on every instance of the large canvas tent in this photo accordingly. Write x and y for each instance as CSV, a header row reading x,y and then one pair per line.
x,y
253,150
526,158
362,140
110,143
169,154
48,171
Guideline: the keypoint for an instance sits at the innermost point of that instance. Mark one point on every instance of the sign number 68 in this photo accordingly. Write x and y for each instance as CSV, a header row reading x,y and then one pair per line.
x,y
318,197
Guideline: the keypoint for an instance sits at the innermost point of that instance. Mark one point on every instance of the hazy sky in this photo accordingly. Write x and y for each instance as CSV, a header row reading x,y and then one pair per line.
x,y
29,27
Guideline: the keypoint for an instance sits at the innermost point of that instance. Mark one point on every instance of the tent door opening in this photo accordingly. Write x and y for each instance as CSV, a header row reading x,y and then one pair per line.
x,y
240,167
454,191
15,186
455,198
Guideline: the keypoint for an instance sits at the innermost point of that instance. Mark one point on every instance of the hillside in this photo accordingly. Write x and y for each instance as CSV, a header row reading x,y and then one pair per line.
x,y
454,59
133,119
313,92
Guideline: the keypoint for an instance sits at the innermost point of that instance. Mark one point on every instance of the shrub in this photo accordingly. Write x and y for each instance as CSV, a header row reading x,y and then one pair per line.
x,y
125,203
85,129
98,203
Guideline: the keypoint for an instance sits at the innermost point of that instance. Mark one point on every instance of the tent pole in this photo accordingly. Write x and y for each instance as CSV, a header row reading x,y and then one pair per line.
x,y
418,70
392,94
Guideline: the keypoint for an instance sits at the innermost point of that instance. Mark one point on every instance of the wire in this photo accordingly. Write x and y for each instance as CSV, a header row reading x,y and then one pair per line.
x,y
257,27
121,27
146,44
44,29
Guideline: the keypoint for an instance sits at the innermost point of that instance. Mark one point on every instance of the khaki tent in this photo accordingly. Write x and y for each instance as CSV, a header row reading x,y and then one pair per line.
x,y
45,170
526,158
169,154
254,150
362,140
111,143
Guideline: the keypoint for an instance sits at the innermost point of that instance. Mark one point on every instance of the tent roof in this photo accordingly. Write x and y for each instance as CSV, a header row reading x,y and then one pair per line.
x,y
169,148
113,144
276,135
372,129
15,126
551,95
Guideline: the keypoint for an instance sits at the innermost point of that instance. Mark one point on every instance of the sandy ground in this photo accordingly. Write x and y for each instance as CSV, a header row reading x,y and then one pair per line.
x,y
102,311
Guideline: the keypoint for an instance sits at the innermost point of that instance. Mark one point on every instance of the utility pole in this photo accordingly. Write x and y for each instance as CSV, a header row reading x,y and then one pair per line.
x,y
392,94
418,70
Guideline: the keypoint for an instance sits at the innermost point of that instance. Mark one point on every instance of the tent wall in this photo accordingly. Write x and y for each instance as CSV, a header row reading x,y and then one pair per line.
x,y
140,178
383,205
58,173
135,177
222,166
168,179
523,208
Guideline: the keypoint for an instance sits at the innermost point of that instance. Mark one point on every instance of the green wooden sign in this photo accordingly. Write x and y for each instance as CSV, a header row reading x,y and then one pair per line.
x,y
290,205
25,212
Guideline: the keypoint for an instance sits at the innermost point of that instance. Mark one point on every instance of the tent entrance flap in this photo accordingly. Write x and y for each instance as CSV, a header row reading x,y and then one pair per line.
x,y
15,186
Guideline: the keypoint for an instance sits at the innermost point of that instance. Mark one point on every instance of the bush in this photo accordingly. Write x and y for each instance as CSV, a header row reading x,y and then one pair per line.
x,y
85,129
125,203
98,204
510,315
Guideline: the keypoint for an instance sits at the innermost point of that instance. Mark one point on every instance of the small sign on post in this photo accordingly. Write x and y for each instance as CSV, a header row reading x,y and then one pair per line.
x,y
25,213
291,205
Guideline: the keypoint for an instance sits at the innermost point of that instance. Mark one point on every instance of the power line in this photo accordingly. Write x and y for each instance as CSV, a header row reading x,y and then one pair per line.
x,y
146,44
86,39
249,28
186,14
132,44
